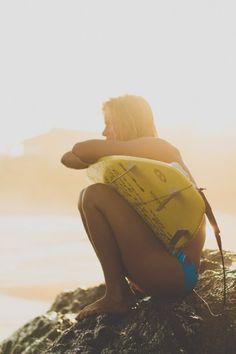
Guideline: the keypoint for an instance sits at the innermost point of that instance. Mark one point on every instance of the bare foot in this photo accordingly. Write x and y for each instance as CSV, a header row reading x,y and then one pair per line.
x,y
107,305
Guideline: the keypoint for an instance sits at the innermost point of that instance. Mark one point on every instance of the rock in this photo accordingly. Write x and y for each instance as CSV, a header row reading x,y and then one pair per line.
x,y
156,325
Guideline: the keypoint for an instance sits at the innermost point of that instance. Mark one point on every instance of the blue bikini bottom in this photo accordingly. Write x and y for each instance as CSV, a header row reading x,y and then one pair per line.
x,y
189,269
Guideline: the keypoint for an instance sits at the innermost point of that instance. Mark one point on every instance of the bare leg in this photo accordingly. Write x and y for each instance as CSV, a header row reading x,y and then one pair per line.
x,y
119,298
83,217
133,287
124,244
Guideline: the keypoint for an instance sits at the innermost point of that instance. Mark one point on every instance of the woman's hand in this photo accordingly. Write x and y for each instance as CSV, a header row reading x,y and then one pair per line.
x,y
72,161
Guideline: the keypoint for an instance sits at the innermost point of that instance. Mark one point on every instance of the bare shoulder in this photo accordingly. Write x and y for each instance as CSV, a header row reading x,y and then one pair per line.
x,y
147,147
160,149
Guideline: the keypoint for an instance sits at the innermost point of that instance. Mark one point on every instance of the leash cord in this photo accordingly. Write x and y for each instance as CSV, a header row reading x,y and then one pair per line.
x,y
207,305
212,220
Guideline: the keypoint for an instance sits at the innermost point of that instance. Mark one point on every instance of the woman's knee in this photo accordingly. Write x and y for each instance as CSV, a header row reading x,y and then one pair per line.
x,y
80,201
91,195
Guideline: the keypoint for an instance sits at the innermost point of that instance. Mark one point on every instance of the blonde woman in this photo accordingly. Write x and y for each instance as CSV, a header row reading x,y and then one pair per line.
x,y
128,250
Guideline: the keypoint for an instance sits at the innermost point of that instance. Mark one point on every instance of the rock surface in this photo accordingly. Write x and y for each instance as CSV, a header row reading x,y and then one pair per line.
x,y
157,325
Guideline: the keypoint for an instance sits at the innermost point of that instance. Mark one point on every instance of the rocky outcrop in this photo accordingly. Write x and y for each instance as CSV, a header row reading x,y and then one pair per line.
x,y
157,325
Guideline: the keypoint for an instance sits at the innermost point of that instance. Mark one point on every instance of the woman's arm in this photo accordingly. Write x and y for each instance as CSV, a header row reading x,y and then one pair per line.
x,y
72,161
90,151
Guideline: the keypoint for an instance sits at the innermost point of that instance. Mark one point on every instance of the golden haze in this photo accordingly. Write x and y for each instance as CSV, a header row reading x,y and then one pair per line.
x,y
37,182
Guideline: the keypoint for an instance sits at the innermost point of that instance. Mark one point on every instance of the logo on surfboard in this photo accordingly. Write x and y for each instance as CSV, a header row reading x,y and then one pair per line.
x,y
160,175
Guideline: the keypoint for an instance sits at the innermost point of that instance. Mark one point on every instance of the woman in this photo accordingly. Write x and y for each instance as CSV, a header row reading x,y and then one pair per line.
x,y
125,245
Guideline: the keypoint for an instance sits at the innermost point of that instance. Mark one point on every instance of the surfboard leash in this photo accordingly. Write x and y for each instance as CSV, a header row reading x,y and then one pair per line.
x,y
213,222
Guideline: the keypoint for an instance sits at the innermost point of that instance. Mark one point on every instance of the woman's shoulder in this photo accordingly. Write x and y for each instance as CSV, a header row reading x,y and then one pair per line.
x,y
159,142
161,149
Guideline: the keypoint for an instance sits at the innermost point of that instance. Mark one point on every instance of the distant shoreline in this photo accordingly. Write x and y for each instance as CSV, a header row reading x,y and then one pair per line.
x,y
41,292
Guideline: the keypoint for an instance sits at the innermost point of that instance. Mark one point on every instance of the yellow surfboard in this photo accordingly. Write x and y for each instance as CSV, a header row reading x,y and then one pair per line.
x,y
160,192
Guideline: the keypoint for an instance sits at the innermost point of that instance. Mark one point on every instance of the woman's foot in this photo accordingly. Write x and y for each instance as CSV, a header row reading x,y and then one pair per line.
x,y
108,304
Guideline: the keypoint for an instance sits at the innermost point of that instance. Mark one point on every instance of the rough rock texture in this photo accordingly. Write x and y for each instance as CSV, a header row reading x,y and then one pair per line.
x,y
179,325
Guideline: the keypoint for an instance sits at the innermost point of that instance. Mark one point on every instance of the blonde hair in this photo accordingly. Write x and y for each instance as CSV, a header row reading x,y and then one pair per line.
x,y
132,117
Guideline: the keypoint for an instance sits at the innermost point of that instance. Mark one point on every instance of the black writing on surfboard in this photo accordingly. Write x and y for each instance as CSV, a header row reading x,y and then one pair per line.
x,y
130,190
132,177
161,176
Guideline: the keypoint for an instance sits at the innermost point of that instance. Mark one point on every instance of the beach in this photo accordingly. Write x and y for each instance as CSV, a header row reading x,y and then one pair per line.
x,y
42,255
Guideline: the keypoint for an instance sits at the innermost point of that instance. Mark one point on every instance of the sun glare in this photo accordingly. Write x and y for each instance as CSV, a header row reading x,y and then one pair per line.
x,y
226,223
16,150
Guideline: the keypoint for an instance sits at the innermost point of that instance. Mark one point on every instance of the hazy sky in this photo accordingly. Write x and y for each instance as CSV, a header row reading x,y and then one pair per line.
x,y
61,59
